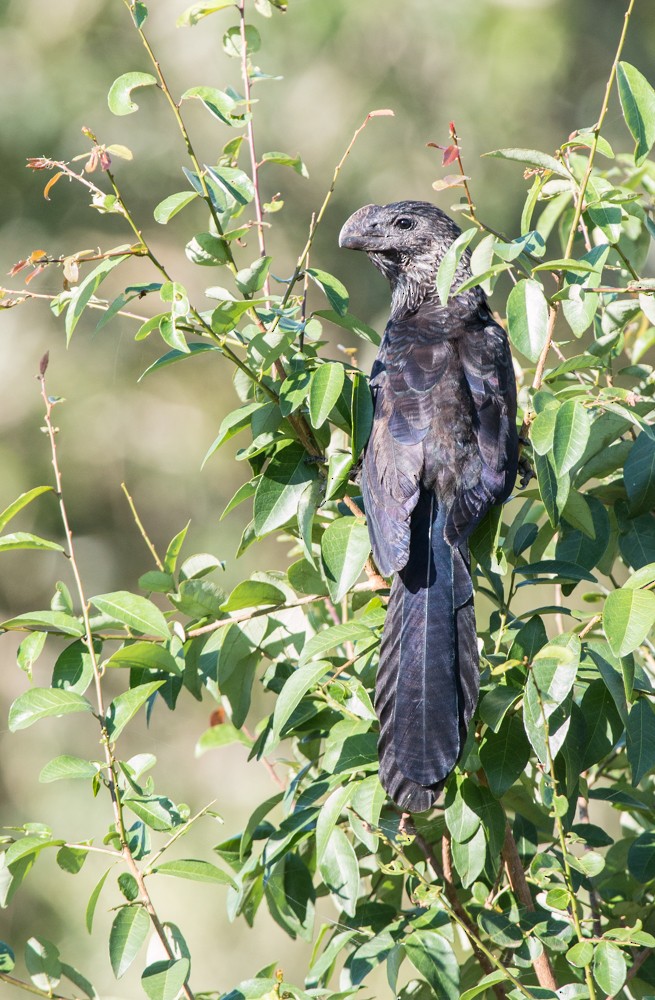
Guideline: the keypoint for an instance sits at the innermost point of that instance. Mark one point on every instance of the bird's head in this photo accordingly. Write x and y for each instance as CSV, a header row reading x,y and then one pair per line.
x,y
406,241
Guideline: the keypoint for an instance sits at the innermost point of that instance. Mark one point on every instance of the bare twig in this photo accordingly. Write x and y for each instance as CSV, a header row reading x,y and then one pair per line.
x,y
144,533
250,136
112,777
579,202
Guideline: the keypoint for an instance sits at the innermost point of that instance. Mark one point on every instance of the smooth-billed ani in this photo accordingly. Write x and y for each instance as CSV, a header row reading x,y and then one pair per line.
x,y
443,449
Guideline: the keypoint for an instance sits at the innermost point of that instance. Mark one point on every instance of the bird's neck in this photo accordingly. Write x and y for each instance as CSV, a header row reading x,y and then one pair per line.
x,y
415,282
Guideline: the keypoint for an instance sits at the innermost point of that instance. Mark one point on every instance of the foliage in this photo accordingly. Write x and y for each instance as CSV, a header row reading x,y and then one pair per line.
x,y
508,887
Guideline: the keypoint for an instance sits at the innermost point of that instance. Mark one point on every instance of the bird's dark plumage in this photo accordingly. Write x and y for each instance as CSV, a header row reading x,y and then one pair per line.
x,y
442,450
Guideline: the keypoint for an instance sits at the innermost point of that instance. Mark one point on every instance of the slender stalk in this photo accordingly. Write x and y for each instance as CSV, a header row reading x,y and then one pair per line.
x,y
561,836
112,781
21,296
144,533
318,217
174,106
250,135
246,616
579,202
30,988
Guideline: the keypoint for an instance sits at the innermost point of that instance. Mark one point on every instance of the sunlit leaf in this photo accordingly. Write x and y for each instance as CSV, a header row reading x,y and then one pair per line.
x,y
119,98
39,703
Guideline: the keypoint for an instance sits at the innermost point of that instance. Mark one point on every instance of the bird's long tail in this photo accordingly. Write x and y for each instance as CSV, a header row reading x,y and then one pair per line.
x,y
428,676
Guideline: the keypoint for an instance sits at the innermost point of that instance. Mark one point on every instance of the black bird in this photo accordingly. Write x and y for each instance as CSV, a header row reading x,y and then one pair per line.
x,y
443,449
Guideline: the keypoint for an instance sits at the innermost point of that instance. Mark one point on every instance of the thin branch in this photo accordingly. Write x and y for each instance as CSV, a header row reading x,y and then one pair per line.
x,y
144,533
246,616
113,785
174,106
26,294
579,202
250,135
561,836
30,988
317,219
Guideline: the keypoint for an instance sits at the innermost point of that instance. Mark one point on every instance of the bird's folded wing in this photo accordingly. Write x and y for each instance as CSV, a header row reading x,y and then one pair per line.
x,y
402,384
487,366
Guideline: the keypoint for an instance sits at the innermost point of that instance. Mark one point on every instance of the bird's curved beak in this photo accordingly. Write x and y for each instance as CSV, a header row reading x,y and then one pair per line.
x,y
362,230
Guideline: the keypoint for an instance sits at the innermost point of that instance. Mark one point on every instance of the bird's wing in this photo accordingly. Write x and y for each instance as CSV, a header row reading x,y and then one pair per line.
x,y
487,365
407,369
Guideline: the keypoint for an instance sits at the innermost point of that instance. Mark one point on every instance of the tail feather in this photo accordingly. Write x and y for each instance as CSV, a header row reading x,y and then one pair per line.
x,y
427,681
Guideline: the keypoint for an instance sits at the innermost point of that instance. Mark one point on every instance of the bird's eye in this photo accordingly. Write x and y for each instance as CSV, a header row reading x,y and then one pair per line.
x,y
404,223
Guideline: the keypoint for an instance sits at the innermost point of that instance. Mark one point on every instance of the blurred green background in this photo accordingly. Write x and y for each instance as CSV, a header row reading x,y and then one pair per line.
x,y
508,72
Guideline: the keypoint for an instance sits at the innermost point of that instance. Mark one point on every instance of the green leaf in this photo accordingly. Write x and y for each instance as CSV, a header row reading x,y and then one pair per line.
x,y
250,279
22,501
628,617
580,954
327,383
46,621
351,323
93,901
7,958
82,293
136,612
638,105
195,871
234,183
280,488
125,706
527,318
285,160
340,871
571,433
170,206
463,806
504,755
119,97
164,980
490,980
71,859
345,547
39,703
554,491
197,11
609,967
640,738
361,414
156,811
328,818
433,956
449,263
641,857
128,932
302,680
533,158
639,475
207,250
172,356
252,594
68,767
43,965
29,651
144,655
336,635
554,670
334,291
